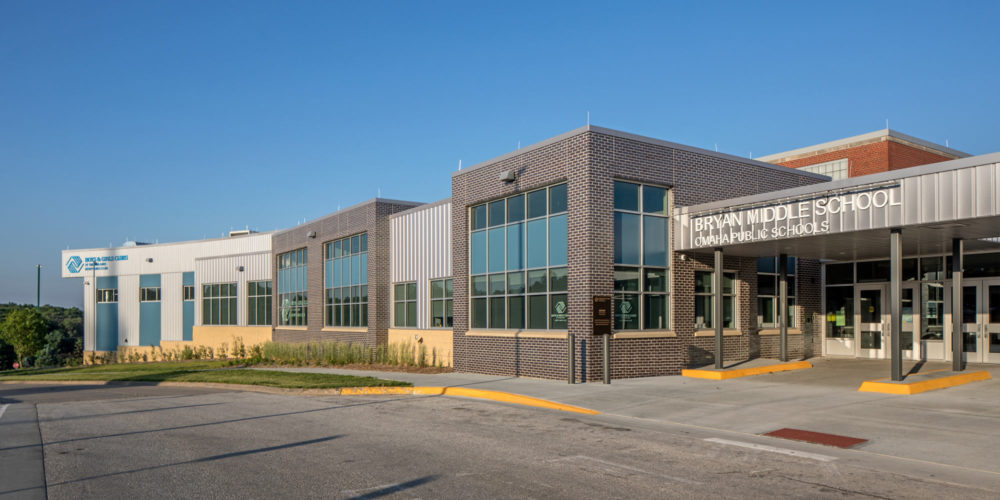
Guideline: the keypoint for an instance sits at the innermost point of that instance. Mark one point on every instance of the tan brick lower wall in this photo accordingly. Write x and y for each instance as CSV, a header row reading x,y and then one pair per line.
x,y
209,341
438,343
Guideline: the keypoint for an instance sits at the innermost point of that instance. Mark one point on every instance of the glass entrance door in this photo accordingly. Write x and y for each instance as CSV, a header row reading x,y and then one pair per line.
x,y
991,321
932,321
971,329
871,321
910,312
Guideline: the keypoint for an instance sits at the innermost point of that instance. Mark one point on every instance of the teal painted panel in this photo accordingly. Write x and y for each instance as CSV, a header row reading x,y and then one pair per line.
x,y
107,326
188,279
106,282
189,320
149,280
149,323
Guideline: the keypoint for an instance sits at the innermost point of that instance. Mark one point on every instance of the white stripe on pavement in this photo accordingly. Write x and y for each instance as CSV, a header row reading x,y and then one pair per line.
x,y
773,449
3,409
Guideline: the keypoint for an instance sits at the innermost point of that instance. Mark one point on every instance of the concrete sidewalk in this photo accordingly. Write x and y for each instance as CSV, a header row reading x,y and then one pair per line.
x,y
959,426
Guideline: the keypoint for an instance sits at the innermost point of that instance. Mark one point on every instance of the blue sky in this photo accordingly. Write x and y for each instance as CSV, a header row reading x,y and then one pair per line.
x,y
180,120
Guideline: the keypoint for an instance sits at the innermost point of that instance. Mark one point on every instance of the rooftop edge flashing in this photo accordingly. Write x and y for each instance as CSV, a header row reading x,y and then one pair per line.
x,y
420,207
846,142
852,182
170,243
640,138
351,207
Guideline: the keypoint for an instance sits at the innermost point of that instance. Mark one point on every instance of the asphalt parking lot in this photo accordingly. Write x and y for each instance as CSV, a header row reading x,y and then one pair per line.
x,y
117,442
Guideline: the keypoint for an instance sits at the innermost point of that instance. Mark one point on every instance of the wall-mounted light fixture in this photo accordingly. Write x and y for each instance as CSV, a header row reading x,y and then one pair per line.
x,y
149,259
239,268
508,176
311,234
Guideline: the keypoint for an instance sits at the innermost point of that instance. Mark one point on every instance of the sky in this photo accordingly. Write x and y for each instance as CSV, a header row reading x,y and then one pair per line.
x,y
179,120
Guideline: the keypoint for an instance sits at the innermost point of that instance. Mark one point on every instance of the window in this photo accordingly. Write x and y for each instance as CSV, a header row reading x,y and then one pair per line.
x,y
518,253
218,304
404,297
188,292
149,294
836,169
293,298
642,257
259,303
767,292
441,304
107,295
345,281
704,299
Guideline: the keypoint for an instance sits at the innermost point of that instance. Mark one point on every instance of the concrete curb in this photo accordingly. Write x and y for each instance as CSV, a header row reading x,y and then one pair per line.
x,y
503,397
745,372
910,388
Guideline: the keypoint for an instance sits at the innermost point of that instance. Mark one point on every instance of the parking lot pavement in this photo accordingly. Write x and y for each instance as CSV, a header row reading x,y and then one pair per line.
x,y
953,427
159,442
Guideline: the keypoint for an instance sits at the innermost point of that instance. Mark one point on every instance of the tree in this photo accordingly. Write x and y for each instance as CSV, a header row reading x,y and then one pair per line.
x,y
25,329
7,356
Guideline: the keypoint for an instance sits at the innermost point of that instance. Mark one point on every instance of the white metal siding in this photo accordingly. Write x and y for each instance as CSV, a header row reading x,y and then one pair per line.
x,y
256,267
128,310
420,250
171,306
89,314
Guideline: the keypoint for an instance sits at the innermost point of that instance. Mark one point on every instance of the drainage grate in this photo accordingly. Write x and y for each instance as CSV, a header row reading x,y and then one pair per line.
x,y
816,437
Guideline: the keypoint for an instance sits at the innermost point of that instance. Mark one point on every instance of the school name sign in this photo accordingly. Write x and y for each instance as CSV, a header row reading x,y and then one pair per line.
x,y
815,215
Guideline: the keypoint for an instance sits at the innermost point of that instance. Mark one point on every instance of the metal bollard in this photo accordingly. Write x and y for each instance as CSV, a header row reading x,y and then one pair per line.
x,y
607,359
571,348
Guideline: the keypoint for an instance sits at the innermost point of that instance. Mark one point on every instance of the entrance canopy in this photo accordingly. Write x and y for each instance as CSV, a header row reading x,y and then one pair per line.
x,y
850,219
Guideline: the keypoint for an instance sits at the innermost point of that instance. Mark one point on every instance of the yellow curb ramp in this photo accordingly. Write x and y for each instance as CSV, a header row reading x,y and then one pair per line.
x,y
745,372
908,389
504,397
464,392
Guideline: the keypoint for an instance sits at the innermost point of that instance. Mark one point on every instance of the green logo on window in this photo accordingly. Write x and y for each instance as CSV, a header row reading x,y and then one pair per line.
x,y
560,307
626,307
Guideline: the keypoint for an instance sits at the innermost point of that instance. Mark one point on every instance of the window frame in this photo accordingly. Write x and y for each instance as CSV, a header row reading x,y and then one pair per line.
x,y
529,199
212,301
792,297
187,293
445,299
641,294
107,296
405,302
256,299
297,307
711,295
340,309
149,294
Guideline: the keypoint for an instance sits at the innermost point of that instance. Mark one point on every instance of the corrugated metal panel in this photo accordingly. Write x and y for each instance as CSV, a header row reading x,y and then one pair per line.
x,y
172,315
256,267
128,310
420,246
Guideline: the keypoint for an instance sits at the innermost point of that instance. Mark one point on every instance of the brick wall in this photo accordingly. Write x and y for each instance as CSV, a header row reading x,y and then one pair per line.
x,y
880,156
371,217
590,161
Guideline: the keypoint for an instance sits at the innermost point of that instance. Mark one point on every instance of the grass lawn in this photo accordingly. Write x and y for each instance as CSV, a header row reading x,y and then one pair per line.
x,y
197,371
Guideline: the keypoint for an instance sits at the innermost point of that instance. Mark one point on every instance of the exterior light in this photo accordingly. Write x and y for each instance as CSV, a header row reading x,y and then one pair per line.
x,y
508,176
311,234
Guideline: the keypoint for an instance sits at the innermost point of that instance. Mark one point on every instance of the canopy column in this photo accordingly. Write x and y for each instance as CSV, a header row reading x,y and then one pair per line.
x,y
957,249
783,305
896,302
717,308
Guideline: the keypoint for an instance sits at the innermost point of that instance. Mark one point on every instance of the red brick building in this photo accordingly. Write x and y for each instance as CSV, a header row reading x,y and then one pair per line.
x,y
878,151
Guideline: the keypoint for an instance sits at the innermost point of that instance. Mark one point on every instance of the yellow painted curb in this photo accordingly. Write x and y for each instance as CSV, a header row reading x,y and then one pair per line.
x,y
745,372
504,397
905,389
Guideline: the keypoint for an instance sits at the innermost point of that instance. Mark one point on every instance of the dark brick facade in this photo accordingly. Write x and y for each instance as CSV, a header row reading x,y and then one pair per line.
x,y
370,217
589,160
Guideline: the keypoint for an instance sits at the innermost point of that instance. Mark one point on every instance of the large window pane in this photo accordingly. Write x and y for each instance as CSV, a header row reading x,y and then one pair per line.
x,y
497,313
558,279
536,204
626,312
557,241
654,200
515,208
515,283
557,199
627,241
478,319
477,217
703,311
536,235
478,252
515,312
655,280
840,312
626,196
515,246
655,244
536,281
537,312
497,284
703,282
656,312
497,213
626,279
479,284
559,318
